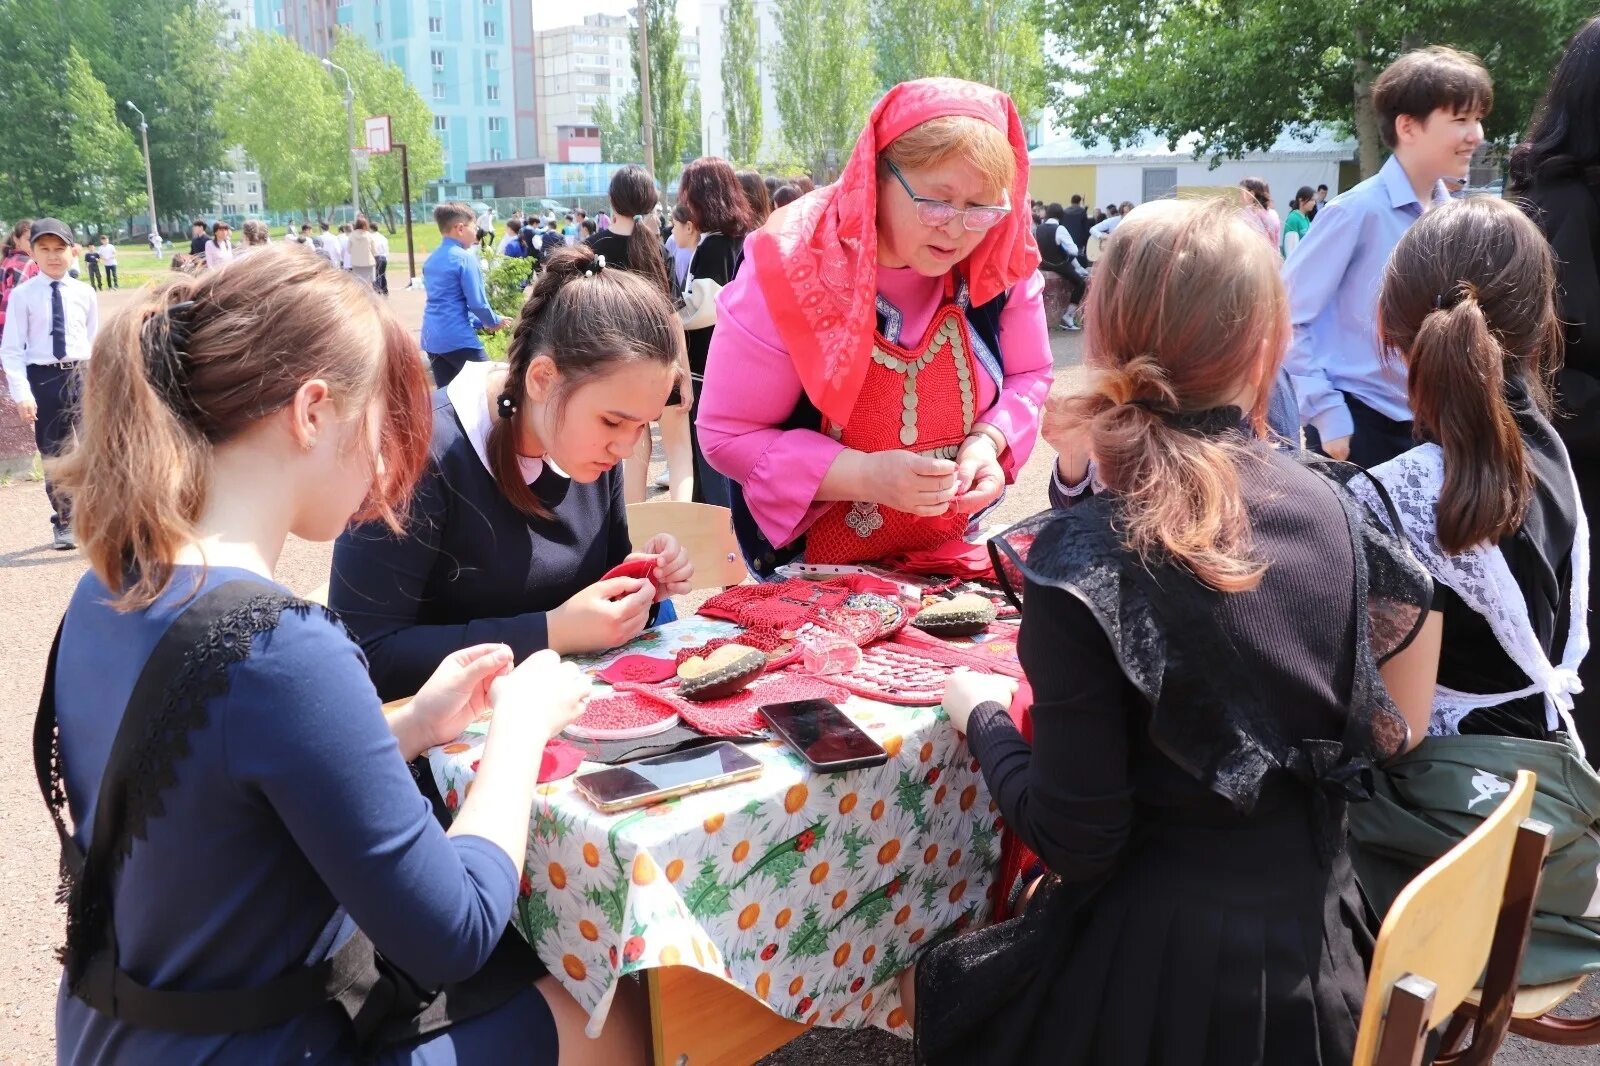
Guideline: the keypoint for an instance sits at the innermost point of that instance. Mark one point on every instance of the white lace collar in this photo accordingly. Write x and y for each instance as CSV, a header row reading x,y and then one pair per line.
x,y
469,395
1483,579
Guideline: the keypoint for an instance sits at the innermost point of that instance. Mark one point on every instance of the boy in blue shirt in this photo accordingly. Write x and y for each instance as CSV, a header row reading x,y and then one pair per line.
x,y
458,303
1430,106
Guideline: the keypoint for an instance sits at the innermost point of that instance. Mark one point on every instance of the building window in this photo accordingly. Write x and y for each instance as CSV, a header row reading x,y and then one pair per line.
x,y
440,124
253,187
494,127
438,90
488,61
435,24
491,30
436,57
377,29
495,153
492,91
277,17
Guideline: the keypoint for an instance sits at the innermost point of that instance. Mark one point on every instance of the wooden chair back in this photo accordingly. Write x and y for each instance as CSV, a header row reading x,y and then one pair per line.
x,y
1437,937
704,530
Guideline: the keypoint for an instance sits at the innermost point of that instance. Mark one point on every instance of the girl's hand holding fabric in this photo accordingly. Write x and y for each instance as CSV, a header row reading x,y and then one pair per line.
x,y
602,616
906,481
544,695
964,690
457,693
674,570
979,477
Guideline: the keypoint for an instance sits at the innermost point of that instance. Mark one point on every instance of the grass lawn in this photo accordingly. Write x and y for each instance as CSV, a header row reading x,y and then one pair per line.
x,y
136,265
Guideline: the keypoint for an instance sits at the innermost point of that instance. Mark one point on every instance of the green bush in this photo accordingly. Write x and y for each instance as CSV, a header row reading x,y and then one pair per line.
x,y
505,283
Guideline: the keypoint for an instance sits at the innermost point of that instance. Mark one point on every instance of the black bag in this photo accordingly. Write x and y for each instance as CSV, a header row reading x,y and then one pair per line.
x,y
188,668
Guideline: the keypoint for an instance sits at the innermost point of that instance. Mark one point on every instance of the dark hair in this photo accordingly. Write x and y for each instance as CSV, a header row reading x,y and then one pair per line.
x,y
1055,211
1564,137
786,194
19,231
1076,200
588,321
588,227
1322,188
755,191
773,184
1303,194
447,215
201,358
199,222
716,202
632,193
1257,188
362,223
513,225
1427,79
304,226
1468,300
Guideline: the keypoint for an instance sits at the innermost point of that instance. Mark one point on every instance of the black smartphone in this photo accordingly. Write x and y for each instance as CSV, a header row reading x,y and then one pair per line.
x,y
663,777
824,736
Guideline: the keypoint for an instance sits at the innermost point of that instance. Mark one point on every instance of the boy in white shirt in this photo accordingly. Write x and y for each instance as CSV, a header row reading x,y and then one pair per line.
x,y
50,327
108,260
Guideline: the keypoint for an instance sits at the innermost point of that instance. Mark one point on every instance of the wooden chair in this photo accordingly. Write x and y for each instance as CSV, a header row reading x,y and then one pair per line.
x,y
704,530
1470,907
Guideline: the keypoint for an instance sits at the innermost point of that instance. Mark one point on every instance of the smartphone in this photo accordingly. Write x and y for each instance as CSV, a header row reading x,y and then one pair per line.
x,y
824,736
663,777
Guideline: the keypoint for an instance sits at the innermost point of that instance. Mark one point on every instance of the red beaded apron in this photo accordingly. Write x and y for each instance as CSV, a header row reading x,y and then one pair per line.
x,y
921,399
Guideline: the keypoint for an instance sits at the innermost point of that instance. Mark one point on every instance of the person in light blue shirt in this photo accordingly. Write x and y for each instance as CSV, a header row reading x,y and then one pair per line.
x,y
458,303
1430,106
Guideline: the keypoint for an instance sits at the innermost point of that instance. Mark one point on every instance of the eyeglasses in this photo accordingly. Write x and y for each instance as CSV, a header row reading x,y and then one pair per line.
x,y
937,213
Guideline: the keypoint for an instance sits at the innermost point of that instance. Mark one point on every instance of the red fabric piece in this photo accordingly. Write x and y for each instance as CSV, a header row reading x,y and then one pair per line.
x,y
994,656
560,759
954,558
737,715
894,673
816,260
643,569
642,668
622,710
771,613
780,652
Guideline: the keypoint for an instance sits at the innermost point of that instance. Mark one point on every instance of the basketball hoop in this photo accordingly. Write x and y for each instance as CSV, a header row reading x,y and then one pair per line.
x,y
378,135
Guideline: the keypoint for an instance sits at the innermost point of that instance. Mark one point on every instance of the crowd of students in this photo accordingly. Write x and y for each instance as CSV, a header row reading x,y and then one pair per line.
x,y
1226,630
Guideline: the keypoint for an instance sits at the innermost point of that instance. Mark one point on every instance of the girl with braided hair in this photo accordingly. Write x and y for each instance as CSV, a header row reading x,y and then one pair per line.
x,y
521,509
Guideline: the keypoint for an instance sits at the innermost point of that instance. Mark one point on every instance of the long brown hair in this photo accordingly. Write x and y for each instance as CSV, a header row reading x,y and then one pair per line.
x,y
1185,302
1468,301
19,232
633,193
199,359
589,321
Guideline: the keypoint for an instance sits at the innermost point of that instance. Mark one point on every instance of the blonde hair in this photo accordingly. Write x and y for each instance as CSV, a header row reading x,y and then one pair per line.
x,y
938,139
255,232
1185,300
199,359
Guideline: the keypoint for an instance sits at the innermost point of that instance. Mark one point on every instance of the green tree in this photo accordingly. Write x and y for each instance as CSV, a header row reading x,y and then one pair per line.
x,y
694,138
1237,72
668,96
382,89
106,178
167,57
1011,58
619,132
741,87
824,77
285,112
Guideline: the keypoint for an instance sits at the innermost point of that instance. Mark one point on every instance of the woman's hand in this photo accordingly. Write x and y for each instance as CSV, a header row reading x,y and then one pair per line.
x,y
674,569
600,617
980,479
544,695
964,690
457,693
1071,441
906,481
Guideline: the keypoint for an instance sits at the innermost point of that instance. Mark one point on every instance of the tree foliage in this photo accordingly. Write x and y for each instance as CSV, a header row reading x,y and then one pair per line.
x,y
741,84
382,89
670,121
1237,72
823,75
1011,57
619,132
284,110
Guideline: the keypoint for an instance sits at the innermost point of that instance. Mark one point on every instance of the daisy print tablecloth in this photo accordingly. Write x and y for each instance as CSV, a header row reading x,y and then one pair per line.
x,y
811,892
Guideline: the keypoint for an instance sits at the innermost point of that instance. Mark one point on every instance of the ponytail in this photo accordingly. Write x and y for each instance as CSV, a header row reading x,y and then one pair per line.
x,y
587,320
1176,479
647,258
1457,387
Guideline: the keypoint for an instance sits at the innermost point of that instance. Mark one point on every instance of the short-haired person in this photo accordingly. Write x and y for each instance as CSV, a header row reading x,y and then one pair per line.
x,y
50,325
1430,106
881,360
512,244
784,196
199,234
1211,634
1298,220
1059,255
1318,200
223,412
458,303
520,514
108,260
1076,219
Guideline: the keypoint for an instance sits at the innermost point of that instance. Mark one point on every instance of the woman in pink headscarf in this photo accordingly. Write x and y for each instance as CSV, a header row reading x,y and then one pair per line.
x,y
880,361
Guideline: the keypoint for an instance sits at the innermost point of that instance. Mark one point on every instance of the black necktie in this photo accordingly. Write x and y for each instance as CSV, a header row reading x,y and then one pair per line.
x,y
58,324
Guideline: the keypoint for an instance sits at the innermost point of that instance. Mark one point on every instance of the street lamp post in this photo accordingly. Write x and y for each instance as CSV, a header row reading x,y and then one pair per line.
x,y
149,181
350,132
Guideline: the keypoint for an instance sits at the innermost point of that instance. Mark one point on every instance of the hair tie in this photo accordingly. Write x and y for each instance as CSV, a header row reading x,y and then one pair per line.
x,y
1463,290
599,265
1155,407
164,337
506,406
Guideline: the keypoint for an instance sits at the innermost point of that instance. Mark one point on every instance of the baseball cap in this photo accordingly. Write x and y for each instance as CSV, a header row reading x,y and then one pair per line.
x,y
50,227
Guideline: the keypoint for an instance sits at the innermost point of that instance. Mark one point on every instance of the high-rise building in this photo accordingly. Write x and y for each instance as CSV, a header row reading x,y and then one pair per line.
x,y
713,115
238,189
578,66
471,60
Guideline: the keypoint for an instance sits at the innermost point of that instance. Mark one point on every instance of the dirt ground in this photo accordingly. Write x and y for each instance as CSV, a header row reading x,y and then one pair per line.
x,y
35,584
